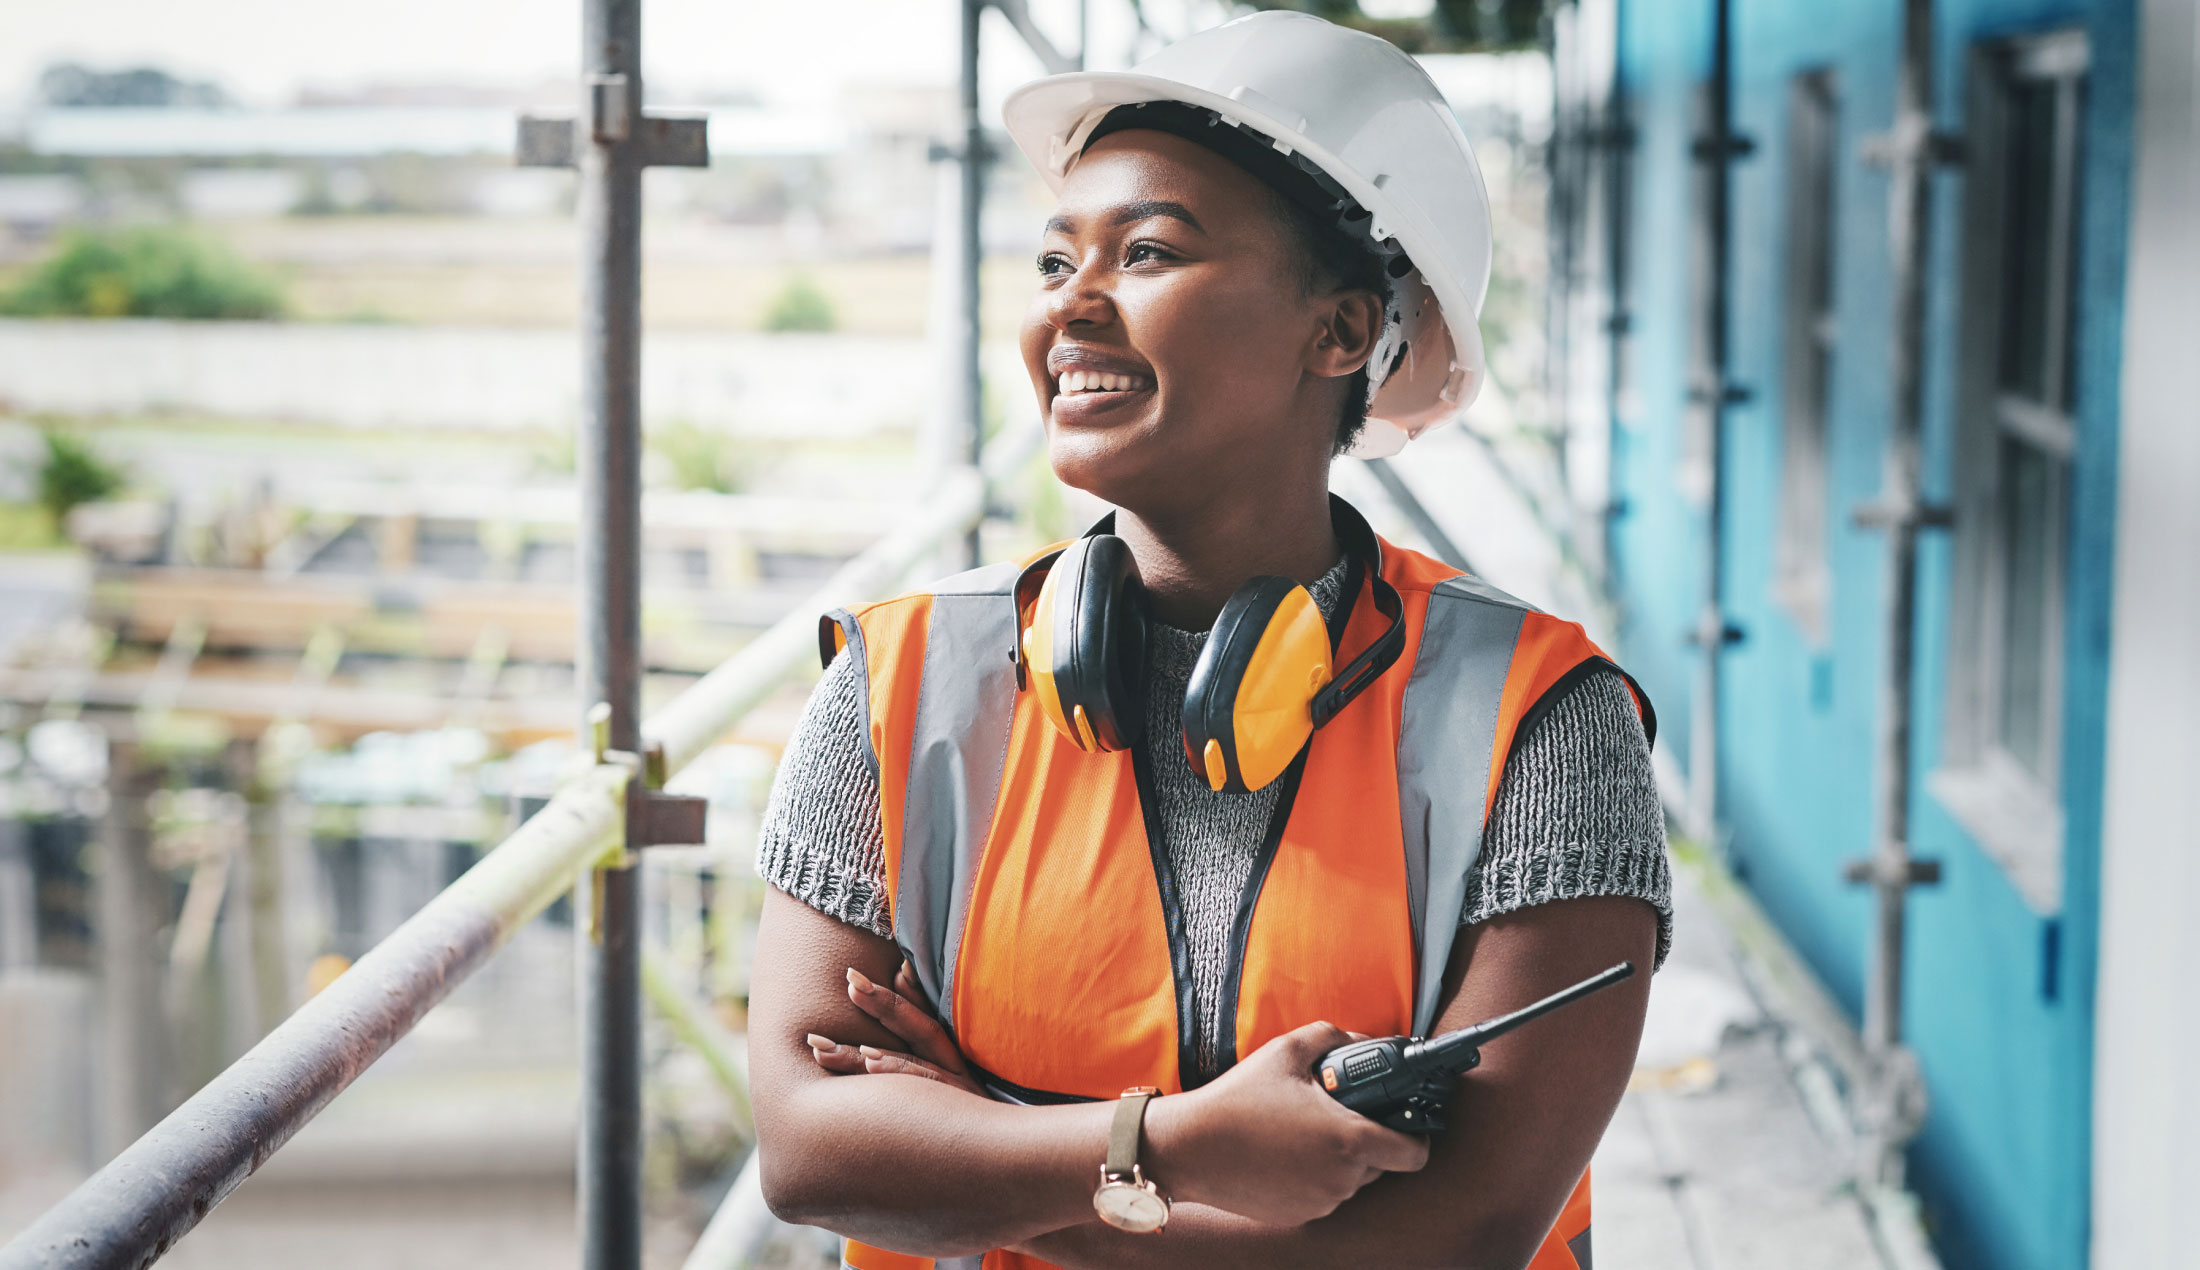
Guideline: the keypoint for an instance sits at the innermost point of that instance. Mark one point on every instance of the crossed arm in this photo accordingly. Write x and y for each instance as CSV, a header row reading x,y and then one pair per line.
x,y
922,1165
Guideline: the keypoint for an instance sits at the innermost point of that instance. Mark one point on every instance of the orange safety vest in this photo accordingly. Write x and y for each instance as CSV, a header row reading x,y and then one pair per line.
x,y
1031,893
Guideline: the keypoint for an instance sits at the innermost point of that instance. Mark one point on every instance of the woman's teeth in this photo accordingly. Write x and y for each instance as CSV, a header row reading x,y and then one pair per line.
x,y
1094,381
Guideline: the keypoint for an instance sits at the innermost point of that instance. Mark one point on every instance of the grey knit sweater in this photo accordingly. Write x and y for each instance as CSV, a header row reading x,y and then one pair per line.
x,y
1577,814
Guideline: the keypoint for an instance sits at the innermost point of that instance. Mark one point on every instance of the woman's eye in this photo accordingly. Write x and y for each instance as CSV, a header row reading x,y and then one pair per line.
x,y
1144,251
1052,264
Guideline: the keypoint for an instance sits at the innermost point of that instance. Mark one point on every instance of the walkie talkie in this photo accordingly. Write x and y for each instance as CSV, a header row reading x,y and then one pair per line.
x,y
1405,1082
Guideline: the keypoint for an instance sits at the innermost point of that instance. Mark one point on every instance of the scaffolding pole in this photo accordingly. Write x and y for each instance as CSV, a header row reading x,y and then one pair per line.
x,y
1715,394
610,156
1896,1102
968,393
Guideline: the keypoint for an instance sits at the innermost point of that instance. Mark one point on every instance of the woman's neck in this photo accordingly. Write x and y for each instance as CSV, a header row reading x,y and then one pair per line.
x,y
1192,562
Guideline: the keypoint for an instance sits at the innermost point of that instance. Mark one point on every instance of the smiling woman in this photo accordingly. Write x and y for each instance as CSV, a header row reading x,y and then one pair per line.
x,y
1234,370
1410,800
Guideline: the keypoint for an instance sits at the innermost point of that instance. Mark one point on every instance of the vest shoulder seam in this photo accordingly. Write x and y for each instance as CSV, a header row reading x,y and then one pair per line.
x,y
867,607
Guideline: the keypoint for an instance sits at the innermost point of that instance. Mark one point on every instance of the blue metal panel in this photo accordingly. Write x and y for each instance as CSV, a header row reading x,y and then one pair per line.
x,y
1656,541
2004,1161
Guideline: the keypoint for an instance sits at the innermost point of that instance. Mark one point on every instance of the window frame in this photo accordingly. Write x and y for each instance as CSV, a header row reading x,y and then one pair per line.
x,y
1802,578
2014,813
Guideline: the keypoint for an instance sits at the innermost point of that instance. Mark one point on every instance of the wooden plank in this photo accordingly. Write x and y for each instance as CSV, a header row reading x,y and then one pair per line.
x,y
683,629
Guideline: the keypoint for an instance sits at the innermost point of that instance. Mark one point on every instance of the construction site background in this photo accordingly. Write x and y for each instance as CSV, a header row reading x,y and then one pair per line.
x,y
288,562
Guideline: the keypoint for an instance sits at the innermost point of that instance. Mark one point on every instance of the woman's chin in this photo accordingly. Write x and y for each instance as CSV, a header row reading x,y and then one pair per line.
x,y
1101,464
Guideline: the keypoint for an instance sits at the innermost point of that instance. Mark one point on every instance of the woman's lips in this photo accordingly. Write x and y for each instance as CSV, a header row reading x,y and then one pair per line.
x,y
1089,394
1098,398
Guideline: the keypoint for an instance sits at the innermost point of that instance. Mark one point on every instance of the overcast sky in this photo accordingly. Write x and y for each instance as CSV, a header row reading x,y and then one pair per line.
x,y
265,51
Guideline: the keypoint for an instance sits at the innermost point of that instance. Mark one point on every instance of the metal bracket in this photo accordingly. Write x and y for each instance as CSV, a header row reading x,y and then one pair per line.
x,y
1727,394
1725,634
669,820
1890,515
1619,136
610,113
666,141
1715,148
1885,149
654,817
1873,871
943,152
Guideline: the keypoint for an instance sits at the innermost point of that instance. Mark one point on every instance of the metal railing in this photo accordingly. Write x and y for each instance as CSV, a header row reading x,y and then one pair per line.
x,y
132,1211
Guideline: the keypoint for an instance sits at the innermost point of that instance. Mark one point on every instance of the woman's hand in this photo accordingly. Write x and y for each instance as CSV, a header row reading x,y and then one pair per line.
x,y
903,1011
1265,1142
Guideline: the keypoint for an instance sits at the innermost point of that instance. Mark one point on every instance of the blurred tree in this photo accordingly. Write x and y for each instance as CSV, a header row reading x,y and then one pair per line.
x,y
1449,26
801,306
71,84
154,271
73,473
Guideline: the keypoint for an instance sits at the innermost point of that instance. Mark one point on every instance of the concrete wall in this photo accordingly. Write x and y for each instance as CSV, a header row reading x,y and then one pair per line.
x,y
2147,1030
1999,1001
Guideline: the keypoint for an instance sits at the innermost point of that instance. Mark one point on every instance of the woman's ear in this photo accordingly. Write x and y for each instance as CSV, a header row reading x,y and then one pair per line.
x,y
1350,323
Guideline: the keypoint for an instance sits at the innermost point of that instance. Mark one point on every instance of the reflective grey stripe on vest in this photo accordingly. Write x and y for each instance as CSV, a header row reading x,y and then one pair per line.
x,y
852,631
958,746
1444,743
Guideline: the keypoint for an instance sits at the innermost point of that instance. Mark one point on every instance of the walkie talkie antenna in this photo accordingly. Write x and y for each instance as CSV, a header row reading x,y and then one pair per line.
x,y
1469,1040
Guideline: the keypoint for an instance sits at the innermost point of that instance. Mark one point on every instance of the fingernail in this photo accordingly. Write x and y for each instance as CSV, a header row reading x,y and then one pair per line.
x,y
823,1045
857,981
868,1052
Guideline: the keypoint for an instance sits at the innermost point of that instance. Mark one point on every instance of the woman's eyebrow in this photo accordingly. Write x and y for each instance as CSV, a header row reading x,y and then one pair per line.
x,y
1131,214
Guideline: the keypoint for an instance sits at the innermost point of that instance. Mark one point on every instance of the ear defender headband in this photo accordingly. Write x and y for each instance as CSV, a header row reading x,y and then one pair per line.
x,y
1264,682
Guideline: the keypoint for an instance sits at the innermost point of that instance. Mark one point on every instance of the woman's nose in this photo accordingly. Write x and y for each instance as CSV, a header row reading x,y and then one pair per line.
x,y
1084,298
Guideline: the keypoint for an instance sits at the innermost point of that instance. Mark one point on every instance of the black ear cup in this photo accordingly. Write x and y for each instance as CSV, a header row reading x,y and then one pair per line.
x,y
1087,646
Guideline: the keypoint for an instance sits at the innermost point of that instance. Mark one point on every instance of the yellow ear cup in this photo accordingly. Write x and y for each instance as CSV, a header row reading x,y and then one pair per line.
x,y
1271,714
1039,664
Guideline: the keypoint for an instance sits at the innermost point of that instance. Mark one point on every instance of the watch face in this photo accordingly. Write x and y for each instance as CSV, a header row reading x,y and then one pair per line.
x,y
1132,1208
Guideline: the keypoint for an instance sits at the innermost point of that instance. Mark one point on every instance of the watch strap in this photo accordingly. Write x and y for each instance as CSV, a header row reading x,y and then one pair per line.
x,y
1130,1116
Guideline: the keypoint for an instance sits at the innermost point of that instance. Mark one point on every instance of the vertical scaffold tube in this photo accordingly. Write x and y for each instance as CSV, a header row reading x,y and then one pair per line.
x,y
610,155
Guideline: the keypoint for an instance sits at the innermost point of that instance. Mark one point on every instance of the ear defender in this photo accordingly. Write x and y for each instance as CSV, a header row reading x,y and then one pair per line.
x,y
1248,709
1264,683
1084,648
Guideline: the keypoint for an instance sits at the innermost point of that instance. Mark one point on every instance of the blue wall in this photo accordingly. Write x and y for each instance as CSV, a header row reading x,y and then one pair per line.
x,y
2004,1037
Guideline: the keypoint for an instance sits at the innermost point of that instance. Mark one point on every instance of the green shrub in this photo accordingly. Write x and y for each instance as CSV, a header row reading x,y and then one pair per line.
x,y
801,306
73,473
697,457
154,271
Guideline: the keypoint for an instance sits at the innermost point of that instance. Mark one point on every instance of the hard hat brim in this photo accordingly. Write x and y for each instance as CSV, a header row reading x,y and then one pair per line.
x,y
1050,118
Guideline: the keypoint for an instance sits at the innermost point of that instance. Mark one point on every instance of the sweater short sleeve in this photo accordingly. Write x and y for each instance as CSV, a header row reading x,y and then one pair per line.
x,y
821,840
1577,813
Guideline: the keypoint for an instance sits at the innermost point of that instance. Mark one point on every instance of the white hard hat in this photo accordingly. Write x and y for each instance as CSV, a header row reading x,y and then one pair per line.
x,y
1370,119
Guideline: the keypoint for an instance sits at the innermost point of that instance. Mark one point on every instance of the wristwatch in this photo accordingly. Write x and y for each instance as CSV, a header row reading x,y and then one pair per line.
x,y
1126,1200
